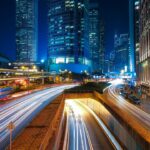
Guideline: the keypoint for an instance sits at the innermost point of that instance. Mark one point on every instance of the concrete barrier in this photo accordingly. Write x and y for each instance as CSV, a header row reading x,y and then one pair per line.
x,y
53,136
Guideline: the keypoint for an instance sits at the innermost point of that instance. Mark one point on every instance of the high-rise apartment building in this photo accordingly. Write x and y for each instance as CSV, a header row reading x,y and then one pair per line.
x,y
145,43
96,37
68,36
121,46
26,30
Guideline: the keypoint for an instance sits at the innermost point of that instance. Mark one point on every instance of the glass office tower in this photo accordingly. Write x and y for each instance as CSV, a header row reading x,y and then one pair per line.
x,y
136,32
121,45
26,30
96,37
102,45
68,45
132,37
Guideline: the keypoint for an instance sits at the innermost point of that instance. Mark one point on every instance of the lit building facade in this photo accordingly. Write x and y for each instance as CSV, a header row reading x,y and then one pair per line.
x,y
121,45
145,42
96,37
112,61
131,37
68,36
136,33
102,45
26,30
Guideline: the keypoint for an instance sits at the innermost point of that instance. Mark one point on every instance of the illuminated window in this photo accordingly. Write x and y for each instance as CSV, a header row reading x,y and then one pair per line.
x,y
60,60
69,60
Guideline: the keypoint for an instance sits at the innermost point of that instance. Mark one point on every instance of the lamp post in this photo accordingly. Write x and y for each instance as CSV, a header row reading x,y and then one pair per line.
x,y
11,126
28,80
42,77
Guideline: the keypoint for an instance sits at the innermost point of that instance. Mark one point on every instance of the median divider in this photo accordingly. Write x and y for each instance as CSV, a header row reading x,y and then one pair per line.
x,y
54,133
45,131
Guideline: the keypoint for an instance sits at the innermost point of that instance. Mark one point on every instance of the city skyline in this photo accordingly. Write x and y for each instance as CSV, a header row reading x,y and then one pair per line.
x,y
110,26
75,74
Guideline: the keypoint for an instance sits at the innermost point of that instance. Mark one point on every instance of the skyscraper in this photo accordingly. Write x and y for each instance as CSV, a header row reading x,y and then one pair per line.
x,y
26,30
68,45
96,36
132,37
136,33
102,45
145,44
121,46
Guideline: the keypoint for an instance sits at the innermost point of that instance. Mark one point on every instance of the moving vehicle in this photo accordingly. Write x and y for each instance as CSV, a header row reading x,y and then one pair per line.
x,y
124,94
134,99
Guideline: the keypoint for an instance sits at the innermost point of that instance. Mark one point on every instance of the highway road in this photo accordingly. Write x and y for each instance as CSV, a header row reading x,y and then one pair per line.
x,y
23,110
139,114
83,130
134,116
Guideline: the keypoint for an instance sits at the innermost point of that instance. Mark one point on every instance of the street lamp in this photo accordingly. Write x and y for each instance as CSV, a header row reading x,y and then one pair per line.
x,y
34,67
10,127
9,64
42,76
42,60
23,67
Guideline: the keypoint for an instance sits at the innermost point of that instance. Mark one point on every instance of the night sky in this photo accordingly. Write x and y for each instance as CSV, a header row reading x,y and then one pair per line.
x,y
114,12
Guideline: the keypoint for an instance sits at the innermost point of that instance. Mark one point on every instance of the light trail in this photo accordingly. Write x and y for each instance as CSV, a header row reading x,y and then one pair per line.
x,y
102,125
84,120
142,116
79,138
23,110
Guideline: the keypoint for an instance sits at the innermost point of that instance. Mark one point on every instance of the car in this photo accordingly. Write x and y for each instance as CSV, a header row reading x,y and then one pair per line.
x,y
134,99
124,94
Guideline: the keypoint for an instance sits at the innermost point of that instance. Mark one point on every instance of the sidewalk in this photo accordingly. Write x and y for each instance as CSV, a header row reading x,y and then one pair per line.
x,y
145,103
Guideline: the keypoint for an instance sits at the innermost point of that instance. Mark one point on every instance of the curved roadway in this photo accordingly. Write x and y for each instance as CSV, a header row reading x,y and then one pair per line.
x,y
137,118
23,110
84,131
138,113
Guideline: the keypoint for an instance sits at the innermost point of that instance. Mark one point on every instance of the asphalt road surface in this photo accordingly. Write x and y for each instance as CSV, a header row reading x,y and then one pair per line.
x,y
23,110
139,114
84,131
